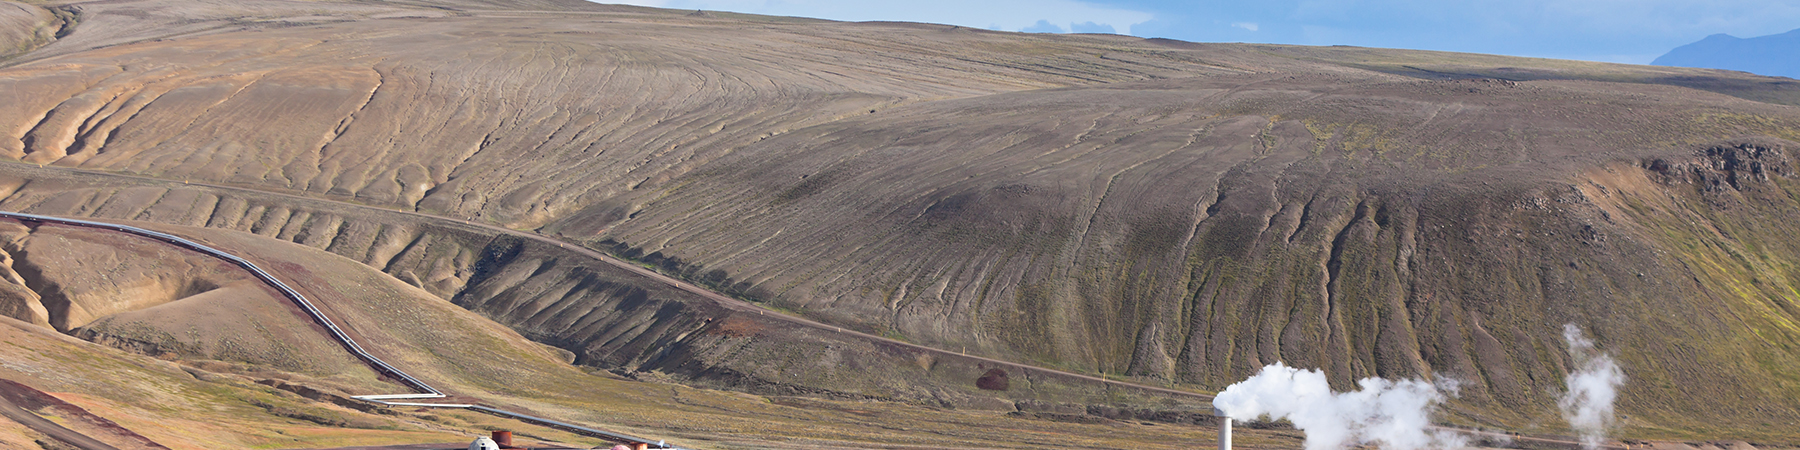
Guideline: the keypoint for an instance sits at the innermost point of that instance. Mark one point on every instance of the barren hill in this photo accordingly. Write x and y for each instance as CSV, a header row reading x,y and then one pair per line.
x,y
252,371
1173,212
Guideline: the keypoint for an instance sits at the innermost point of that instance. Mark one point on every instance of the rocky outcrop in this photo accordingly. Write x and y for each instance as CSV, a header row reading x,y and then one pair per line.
x,y
1732,165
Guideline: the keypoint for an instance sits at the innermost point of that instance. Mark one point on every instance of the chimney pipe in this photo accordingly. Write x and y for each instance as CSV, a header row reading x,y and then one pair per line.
x,y
1224,429
503,438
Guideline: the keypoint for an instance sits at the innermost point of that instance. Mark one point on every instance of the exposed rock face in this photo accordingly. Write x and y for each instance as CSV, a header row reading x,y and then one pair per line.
x,y
1181,213
1735,166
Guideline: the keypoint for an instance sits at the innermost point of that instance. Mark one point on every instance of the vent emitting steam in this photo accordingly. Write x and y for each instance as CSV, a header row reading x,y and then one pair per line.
x,y
1395,415
1588,404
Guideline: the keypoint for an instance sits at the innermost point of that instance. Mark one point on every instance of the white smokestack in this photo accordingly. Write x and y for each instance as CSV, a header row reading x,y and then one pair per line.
x,y
1588,405
1395,415
1224,429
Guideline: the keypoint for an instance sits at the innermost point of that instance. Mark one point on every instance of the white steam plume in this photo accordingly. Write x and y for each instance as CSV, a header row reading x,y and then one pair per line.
x,y
1395,415
1588,405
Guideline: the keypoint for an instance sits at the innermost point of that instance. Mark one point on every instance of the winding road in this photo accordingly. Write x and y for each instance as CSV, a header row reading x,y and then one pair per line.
x,y
42,425
424,390
427,392
721,299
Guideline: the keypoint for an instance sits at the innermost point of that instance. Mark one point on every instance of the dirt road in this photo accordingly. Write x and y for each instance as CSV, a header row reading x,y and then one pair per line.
x,y
42,425
721,299
741,305
424,390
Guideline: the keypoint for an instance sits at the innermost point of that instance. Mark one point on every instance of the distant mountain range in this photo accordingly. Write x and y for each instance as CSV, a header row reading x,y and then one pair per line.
x,y
1773,55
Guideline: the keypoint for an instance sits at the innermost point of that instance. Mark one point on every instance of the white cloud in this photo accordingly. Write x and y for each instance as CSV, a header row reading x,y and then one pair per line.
x,y
1245,25
1010,15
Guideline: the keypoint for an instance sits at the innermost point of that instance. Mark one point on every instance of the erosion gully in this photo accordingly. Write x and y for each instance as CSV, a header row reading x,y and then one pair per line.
x,y
423,391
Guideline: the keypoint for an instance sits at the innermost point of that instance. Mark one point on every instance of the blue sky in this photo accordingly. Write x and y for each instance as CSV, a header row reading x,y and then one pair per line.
x,y
1630,31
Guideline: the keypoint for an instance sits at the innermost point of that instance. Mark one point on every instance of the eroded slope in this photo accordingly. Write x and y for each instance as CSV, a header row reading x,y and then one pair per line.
x,y
1195,230
510,116
606,316
229,404
1181,213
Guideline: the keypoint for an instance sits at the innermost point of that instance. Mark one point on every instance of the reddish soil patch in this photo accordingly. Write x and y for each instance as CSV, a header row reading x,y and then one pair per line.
x,y
31,399
993,380
736,326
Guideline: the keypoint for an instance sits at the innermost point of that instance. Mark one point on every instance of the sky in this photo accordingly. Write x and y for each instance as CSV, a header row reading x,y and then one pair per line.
x,y
1626,31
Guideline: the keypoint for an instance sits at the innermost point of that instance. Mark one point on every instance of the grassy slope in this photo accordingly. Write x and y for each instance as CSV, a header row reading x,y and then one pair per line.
x,y
1739,240
159,400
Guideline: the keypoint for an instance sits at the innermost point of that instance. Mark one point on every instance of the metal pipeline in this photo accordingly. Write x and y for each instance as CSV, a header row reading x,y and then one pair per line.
x,y
338,334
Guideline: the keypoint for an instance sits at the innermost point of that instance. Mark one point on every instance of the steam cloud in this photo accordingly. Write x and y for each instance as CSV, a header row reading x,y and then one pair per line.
x,y
1396,415
1588,405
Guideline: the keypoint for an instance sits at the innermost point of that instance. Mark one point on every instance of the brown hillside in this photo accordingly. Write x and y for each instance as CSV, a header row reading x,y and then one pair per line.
x,y
606,316
1179,213
245,398
25,27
